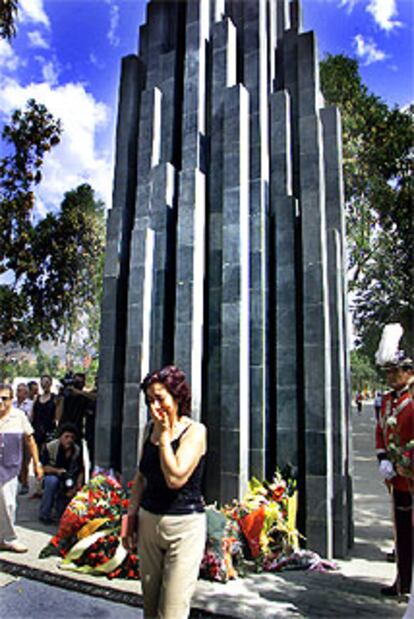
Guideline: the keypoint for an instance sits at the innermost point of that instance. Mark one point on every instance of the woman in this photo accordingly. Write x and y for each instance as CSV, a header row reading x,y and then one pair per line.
x,y
166,494
44,413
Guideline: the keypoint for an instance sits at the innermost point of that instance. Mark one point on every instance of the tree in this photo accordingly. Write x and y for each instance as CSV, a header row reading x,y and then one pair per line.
x,y
65,290
363,372
54,268
46,364
378,178
8,14
28,137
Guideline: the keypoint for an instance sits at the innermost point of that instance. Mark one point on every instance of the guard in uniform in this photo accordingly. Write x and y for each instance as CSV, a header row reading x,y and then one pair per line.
x,y
395,428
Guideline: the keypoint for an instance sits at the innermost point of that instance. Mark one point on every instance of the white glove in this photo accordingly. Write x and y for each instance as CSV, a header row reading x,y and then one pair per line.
x,y
386,469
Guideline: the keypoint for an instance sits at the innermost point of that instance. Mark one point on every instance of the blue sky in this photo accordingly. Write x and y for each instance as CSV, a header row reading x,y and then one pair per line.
x,y
67,54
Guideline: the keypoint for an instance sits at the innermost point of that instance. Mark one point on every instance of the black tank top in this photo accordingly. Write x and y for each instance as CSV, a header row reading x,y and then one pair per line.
x,y
158,498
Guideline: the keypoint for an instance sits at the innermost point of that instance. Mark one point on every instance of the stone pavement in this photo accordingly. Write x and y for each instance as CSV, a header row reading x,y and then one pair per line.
x,y
352,591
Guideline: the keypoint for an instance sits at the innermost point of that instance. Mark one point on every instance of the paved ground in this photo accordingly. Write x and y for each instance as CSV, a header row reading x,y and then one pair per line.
x,y
24,599
351,592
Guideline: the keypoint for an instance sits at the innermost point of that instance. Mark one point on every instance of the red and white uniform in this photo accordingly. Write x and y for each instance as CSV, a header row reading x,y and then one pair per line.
x,y
399,407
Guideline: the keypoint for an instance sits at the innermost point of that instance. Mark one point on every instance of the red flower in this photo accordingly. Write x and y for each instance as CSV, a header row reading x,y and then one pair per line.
x,y
251,526
278,493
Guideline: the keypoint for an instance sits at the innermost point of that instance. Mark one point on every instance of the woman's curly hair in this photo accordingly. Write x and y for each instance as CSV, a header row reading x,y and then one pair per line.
x,y
174,380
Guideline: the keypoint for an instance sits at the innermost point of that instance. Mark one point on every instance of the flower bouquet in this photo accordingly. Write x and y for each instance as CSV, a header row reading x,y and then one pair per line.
x,y
223,549
267,520
88,534
261,527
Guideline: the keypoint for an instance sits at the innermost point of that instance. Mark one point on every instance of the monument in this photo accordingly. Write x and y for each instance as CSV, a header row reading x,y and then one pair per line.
x,y
225,253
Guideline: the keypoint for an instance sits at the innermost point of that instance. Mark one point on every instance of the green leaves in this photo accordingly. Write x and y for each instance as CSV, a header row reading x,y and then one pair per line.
x,y
8,14
378,178
54,268
29,135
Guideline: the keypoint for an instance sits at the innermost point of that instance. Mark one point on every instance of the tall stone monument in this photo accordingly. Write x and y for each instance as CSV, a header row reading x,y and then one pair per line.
x,y
225,253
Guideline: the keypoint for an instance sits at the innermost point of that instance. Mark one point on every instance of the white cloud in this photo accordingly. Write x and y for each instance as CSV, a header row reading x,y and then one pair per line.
x,y
33,11
112,35
8,59
36,40
50,69
50,73
76,159
384,12
367,50
93,59
348,4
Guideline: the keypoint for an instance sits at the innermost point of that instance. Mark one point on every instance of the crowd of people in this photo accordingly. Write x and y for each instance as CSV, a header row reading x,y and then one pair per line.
x,y
52,431
166,506
166,515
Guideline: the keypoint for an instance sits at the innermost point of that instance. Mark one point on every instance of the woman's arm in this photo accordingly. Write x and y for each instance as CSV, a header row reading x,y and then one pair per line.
x,y
31,444
129,528
137,490
58,409
178,467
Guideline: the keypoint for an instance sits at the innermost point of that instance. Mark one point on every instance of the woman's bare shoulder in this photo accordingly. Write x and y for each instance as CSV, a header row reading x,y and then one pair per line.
x,y
196,429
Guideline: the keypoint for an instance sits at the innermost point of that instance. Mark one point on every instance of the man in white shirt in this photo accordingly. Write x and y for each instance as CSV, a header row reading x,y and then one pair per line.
x,y
22,400
14,427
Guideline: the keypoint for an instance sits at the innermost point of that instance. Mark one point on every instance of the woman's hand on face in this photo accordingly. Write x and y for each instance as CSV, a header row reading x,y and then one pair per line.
x,y
161,420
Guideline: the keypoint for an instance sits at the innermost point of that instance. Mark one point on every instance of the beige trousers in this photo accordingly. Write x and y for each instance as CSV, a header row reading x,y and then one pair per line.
x,y
170,552
8,498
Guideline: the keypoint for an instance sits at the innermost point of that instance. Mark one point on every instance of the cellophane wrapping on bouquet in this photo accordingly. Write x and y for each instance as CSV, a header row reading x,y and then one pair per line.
x,y
223,553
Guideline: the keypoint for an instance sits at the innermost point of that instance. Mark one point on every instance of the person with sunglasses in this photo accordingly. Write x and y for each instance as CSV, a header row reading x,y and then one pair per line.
x,y
14,426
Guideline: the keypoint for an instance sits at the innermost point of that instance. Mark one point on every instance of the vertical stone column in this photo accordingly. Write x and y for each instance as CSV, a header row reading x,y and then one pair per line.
x,y
337,298
139,306
282,17
217,11
192,204
287,78
235,316
115,283
315,300
161,214
283,208
156,39
255,78
235,10
223,75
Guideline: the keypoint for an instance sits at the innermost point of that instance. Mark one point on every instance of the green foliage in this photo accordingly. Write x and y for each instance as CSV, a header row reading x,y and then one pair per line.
x,y
55,265
65,290
363,372
10,369
378,179
28,137
8,14
46,364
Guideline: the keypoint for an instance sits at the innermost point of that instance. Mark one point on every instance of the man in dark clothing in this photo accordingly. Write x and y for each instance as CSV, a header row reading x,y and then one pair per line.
x,y
77,405
62,465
